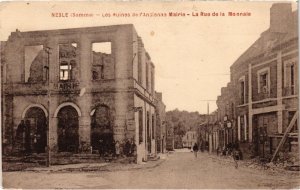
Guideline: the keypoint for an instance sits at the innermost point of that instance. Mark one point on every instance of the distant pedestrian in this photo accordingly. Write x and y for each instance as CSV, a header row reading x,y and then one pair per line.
x,y
117,149
113,148
236,155
195,149
132,152
127,148
122,144
101,148
132,148
35,144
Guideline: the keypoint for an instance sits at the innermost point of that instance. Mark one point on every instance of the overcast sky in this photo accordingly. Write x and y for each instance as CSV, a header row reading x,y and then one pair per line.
x,y
192,55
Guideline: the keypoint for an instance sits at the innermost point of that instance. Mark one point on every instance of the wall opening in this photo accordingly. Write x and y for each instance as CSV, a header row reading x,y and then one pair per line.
x,y
31,134
101,59
35,60
102,130
67,131
67,61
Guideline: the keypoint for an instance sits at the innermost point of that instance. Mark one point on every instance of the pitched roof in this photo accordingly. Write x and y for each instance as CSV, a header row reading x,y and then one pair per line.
x,y
269,39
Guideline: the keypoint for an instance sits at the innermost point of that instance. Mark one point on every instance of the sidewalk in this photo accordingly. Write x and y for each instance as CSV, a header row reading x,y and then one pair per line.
x,y
92,167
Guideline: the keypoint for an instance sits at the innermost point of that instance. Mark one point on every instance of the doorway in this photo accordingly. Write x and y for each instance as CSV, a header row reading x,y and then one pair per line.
x,y
68,125
101,130
35,131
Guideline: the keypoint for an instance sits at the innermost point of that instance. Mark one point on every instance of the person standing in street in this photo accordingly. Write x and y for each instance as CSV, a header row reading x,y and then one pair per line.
x,y
117,149
127,148
101,148
132,152
195,149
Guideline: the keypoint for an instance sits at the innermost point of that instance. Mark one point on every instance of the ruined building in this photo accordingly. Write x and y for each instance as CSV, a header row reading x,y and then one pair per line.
x,y
87,84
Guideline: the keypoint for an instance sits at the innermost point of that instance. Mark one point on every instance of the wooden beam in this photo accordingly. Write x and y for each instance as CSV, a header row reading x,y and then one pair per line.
x,y
295,117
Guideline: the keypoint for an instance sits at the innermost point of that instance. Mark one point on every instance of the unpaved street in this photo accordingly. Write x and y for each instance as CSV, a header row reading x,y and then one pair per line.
x,y
180,170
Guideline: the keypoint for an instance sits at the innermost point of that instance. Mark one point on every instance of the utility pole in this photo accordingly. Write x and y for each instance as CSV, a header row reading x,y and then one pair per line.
x,y
47,50
207,108
206,130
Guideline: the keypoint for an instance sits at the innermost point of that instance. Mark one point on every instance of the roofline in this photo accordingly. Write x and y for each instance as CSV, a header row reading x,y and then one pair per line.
x,y
74,30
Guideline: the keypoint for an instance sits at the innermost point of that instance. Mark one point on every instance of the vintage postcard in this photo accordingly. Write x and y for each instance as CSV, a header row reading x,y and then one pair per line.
x,y
149,95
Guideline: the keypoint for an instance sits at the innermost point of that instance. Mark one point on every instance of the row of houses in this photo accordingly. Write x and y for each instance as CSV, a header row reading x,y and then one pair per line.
x,y
260,102
68,89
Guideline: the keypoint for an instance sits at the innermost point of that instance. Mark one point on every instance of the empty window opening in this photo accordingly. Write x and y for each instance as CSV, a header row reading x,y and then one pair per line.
x,y
242,92
264,79
264,83
292,80
101,54
292,75
34,63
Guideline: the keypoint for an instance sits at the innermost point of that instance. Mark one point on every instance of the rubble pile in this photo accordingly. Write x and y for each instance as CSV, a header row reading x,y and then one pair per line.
x,y
282,164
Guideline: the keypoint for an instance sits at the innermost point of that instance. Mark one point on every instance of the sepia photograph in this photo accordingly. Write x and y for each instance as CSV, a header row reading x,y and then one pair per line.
x,y
149,95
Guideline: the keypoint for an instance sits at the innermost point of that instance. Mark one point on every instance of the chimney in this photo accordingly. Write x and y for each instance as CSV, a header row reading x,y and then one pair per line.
x,y
158,96
280,17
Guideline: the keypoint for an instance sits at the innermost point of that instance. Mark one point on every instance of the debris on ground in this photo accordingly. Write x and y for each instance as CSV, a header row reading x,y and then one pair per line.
x,y
257,163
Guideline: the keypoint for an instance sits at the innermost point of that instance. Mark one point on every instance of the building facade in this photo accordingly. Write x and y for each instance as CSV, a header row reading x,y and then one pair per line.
x,y
189,139
86,84
209,132
227,132
264,88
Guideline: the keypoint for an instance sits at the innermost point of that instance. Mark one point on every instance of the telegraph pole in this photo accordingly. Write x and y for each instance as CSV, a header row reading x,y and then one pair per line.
x,y
47,50
207,108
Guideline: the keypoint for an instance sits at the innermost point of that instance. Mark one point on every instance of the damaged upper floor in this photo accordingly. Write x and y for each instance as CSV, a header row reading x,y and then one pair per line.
x,y
83,55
